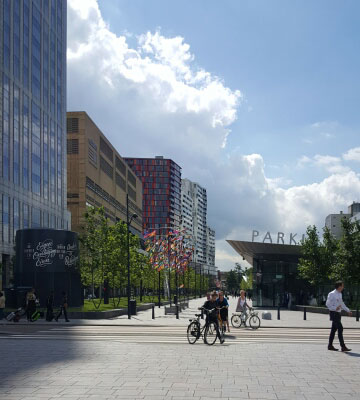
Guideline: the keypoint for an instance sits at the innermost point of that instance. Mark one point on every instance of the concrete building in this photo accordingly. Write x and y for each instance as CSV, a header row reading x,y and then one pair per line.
x,y
161,179
98,175
32,114
194,220
333,221
197,194
210,250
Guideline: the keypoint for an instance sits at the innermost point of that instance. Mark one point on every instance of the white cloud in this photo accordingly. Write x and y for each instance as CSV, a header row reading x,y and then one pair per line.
x,y
154,100
352,154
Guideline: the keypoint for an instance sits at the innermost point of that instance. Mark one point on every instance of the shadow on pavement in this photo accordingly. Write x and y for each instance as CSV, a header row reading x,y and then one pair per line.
x,y
352,354
27,360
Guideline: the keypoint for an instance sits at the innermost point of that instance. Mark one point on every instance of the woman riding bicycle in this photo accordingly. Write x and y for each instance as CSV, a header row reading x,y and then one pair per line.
x,y
241,304
223,305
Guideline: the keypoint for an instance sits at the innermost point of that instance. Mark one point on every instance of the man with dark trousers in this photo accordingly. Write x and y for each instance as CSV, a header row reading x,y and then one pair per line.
x,y
335,304
63,308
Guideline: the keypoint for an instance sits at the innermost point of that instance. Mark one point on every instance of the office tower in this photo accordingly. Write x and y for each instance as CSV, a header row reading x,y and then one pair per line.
x,y
33,106
161,179
98,176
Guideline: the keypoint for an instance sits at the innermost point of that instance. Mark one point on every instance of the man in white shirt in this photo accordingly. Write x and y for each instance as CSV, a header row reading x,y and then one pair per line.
x,y
335,304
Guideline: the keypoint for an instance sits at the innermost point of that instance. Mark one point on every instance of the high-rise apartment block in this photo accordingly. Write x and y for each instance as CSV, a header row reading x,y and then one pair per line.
x,y
333,221
161,179
194,220
98,176
32,115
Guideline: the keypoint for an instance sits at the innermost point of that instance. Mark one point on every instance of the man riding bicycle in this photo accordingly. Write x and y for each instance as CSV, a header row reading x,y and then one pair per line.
x,y
210,306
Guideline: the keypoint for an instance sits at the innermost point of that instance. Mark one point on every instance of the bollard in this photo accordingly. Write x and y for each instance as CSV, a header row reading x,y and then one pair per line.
x,y
278,316
304,313
153,312
177,312
202,314
357,314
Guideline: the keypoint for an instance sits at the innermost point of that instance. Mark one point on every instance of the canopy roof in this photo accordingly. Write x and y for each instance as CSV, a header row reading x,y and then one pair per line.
x,y
251,250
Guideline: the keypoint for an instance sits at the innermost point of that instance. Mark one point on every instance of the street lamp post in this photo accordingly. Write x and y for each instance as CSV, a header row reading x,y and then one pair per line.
x,y
128,223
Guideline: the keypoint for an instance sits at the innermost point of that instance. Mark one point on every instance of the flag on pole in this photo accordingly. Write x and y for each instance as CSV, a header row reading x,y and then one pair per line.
x,y
149,235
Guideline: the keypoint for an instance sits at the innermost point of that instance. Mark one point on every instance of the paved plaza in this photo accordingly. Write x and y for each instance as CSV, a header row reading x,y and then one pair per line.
x,y
147,359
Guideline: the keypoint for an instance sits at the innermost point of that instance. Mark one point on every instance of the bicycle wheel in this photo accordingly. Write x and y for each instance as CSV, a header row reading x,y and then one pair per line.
x,y
210,334
193,332
236,321
254,322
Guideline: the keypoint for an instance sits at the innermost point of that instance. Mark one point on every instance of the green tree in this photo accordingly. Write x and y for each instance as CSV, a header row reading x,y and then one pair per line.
x,y
232,280
317,258
347,266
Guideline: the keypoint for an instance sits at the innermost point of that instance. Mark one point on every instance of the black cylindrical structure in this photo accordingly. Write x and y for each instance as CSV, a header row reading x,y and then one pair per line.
x,y
47,259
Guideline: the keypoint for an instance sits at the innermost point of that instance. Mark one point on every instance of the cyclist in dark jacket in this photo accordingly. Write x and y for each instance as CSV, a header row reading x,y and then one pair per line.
x,y
212,313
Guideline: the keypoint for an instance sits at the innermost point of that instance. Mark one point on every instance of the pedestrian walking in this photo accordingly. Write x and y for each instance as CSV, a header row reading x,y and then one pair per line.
x,y
50,307
2,305
63,308
30,304
335,304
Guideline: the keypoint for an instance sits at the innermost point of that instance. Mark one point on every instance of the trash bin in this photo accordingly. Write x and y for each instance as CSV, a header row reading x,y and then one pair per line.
x,y
133,307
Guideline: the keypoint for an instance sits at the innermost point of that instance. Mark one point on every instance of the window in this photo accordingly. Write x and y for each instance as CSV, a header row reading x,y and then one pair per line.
x,y
120,166
132,193
106,167
120,181
106,149
35,218
93,152
6,127
26,221
5,219
72,125
131,178
36,151
73,146
16,213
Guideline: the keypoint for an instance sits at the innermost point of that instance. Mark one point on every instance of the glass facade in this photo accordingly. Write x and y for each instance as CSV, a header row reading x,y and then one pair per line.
x,y
33,134
161,179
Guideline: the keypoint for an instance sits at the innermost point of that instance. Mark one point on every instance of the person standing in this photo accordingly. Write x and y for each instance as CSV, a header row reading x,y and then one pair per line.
x,y
335,304
211,314
2,305
30,304
50,307
223,305
63,308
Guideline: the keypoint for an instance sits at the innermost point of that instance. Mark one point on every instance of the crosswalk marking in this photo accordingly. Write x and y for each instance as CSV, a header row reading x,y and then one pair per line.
x,y
177,335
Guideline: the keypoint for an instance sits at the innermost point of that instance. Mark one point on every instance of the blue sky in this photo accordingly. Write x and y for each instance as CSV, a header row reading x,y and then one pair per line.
x,y
296,62
173,78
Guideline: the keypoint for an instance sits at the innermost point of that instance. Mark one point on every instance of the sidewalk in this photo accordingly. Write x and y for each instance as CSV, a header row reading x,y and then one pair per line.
x,y
288,319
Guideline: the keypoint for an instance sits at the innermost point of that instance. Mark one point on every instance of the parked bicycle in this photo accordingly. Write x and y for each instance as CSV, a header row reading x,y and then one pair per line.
x,y
207,331
239,319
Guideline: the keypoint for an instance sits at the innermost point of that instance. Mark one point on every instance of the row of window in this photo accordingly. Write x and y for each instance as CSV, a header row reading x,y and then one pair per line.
x,y
37,159
90,184
46,56
17,215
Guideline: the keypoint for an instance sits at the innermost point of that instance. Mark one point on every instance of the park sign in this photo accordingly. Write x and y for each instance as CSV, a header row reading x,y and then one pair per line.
x,y
279,238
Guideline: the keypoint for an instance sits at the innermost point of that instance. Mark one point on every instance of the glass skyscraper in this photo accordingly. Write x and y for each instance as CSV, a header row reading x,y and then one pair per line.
x,y
32,121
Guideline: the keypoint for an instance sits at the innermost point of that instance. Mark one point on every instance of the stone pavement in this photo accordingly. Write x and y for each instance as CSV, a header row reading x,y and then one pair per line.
x,y
104,370
287,318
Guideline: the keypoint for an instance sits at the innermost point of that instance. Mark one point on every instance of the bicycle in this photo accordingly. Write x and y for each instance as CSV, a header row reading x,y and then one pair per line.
x,y
222,324
239,319
208,331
